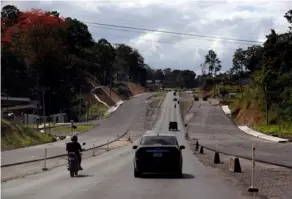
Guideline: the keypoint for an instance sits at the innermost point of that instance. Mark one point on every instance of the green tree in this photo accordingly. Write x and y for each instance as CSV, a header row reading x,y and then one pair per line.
x,y
239,62
213,63
9,16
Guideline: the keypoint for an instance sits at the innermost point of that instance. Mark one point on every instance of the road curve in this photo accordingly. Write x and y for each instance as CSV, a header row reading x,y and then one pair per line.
x,y
110,176
108,128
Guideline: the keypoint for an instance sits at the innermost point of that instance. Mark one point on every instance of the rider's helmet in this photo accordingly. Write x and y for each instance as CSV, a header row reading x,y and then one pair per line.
x,y
74,138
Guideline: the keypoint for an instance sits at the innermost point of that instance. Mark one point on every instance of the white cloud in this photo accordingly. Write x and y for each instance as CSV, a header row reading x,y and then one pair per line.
x,y
247,20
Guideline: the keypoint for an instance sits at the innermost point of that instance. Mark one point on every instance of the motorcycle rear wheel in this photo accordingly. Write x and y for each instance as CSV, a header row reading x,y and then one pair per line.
x,y
72,173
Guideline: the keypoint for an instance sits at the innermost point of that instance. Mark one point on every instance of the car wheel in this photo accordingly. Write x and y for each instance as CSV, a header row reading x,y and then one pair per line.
x,y
180,173
137,174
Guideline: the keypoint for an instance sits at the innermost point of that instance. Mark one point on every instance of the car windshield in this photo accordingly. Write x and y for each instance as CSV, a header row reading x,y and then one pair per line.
x,y
158,140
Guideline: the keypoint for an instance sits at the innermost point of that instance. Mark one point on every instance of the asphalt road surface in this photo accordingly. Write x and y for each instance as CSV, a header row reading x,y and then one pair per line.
x,y
215,130
110,176
117,124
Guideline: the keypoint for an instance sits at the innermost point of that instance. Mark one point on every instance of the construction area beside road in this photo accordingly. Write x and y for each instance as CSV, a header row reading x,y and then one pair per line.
x,y
213,131
147,117
206,123
107,130
110,175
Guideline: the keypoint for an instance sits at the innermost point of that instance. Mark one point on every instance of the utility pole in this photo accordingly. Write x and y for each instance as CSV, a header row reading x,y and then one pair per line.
x,y
49,109
267,106
110,87
38,98
43,89
79,102
87,111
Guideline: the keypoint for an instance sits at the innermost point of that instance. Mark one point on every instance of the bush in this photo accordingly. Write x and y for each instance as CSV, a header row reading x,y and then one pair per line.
x,y
123,90
208,84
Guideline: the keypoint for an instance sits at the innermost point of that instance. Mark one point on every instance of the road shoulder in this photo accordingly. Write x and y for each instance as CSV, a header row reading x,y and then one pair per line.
x,y
253,132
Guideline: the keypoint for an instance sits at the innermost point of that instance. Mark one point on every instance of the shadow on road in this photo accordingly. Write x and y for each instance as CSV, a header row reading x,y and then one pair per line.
x,y
83,176
168,176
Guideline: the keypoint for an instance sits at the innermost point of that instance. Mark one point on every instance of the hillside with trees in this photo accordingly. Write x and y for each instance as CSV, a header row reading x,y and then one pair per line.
x,y
42,50
265,102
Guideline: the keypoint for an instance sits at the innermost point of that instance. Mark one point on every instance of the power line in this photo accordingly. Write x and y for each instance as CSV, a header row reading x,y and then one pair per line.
x,y
164,42
174,33
128,22
126,30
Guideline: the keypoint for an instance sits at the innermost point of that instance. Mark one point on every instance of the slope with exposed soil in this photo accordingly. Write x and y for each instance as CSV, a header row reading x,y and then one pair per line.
x,y
135,89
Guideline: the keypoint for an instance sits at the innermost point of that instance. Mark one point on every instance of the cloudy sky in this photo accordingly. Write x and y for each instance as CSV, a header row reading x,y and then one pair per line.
x,y
245,20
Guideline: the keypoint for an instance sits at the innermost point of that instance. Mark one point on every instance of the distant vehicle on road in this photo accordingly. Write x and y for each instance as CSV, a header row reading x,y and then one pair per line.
x,y
158,153
174,105
205,98
174,93
172,126
174,99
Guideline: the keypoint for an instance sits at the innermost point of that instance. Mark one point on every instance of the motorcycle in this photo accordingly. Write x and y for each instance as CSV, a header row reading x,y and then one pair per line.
x,y
73,163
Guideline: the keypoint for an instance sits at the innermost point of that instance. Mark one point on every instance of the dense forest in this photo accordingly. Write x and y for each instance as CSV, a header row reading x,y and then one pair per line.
x,y
40,49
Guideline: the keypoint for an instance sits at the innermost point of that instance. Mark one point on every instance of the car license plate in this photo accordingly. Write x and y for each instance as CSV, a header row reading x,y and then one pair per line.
x,y
157,155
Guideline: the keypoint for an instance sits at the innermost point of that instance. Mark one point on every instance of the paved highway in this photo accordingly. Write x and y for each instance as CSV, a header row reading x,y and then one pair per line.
x,y
110,176
215,130
119,122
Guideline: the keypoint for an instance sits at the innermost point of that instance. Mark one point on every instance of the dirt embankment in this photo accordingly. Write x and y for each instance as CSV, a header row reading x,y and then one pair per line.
x,y
136,89
248,114
111,96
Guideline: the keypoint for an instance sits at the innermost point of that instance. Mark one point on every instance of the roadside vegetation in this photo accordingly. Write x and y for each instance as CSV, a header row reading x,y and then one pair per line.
x,y
258,84
156,100
94,111
17,136
81,128
70,55
185,102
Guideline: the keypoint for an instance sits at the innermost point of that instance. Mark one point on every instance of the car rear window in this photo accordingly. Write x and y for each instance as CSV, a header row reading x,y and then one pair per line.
x,y
158,140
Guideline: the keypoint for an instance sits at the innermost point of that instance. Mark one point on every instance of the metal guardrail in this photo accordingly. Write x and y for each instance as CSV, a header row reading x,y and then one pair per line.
x,y
65,154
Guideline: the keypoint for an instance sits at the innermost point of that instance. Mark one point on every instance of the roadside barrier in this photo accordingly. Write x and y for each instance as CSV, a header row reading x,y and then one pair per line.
x,y
45,161
216,158
234,165
252,188
93,150
201,150
107,146
65,154
129,138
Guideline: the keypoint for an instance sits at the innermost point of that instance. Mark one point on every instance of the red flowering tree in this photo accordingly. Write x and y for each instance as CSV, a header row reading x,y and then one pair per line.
x,y
35,35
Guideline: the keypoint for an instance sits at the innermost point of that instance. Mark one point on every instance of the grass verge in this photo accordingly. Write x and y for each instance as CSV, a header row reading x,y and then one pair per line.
x,y
155,99
94,111
42,125
67,130
184,106
17,136
284,131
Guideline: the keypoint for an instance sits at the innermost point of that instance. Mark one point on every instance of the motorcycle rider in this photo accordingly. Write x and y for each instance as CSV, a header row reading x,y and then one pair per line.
x,y
75,147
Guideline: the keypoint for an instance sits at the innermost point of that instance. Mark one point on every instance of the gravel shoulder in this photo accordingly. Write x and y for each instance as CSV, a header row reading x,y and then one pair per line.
x,y
272,181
